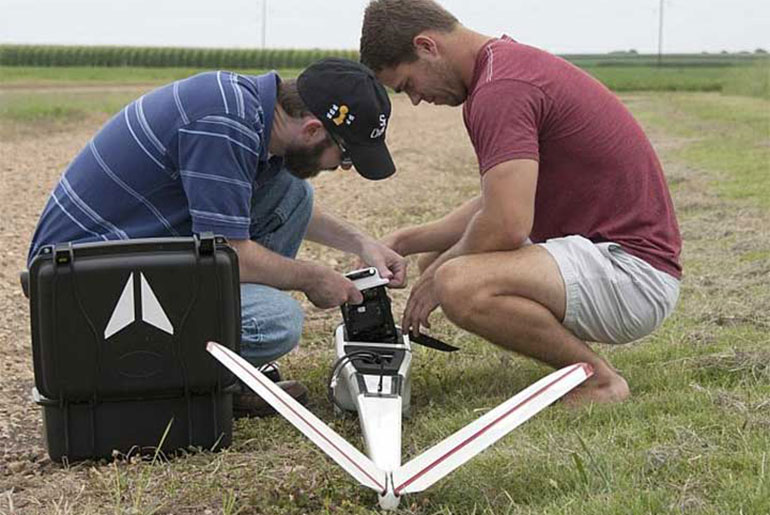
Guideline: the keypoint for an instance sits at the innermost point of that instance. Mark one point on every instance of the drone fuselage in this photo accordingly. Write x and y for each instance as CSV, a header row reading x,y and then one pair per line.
x,y
379,392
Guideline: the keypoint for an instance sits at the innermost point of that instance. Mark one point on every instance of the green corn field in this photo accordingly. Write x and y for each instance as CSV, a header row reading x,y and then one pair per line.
x,y
159,57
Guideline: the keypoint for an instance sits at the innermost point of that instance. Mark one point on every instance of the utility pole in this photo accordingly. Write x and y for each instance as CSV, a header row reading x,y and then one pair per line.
x,y
264,22
660,35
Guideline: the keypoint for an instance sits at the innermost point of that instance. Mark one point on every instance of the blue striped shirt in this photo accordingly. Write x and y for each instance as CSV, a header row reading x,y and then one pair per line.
x,y
182,159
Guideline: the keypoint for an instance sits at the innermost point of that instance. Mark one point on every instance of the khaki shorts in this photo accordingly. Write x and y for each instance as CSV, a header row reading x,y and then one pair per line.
x,y
612,296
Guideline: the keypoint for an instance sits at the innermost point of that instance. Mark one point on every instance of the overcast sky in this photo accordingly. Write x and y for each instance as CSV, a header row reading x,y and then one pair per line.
x,y
560,26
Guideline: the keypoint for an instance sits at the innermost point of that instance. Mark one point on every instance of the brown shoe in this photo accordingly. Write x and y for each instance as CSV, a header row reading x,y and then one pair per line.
x,y
249,404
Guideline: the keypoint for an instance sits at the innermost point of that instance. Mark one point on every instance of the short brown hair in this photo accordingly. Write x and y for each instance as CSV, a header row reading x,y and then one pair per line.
x,y
290,100
391,25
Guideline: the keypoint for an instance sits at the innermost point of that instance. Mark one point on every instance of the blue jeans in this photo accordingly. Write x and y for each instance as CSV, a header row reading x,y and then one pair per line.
x,y
271,320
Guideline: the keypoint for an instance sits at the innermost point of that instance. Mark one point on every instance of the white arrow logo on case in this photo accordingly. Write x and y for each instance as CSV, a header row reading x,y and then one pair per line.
x,y
152,312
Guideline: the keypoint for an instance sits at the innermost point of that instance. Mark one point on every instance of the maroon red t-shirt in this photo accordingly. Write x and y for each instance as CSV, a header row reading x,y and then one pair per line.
x,y
599,176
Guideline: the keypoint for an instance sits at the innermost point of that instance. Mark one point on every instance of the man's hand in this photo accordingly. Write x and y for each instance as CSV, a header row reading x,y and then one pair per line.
x,y
390,264
334,232
422,302
326,288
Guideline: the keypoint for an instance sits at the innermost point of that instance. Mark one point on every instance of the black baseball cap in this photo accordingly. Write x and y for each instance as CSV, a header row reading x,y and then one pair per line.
x,y
354,107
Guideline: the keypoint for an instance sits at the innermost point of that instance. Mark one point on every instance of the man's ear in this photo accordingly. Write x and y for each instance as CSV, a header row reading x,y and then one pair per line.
x,y
425,46
312,130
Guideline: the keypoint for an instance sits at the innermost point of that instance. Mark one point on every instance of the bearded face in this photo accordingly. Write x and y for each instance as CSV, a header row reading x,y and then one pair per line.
x,y
305,162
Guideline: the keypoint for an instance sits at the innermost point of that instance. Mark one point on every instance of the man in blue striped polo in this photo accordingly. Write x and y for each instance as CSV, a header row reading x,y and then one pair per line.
x,y
228,153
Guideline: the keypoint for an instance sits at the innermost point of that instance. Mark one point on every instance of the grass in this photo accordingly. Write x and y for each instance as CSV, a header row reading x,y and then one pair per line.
x,y
61,95
61,106
747,79
753,81
694,440
650,78
50,76
730,136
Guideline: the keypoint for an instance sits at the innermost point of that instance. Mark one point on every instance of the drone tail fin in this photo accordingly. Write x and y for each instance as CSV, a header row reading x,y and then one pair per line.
x,y
353,461
452,452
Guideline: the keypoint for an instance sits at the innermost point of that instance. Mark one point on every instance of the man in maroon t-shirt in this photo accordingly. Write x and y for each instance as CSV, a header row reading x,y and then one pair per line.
x,y
573,237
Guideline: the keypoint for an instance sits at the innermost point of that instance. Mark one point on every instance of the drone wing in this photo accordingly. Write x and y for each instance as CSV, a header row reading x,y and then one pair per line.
x,y
353,461
441,459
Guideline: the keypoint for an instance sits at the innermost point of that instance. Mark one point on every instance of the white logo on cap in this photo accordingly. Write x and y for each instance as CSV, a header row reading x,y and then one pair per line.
x,y
379,131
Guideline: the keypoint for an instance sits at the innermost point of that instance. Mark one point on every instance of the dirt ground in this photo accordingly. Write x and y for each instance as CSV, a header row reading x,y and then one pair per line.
x,y
425,141
32,162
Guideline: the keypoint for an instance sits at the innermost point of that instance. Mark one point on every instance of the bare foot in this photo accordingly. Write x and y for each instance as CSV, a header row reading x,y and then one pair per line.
x,y
605,386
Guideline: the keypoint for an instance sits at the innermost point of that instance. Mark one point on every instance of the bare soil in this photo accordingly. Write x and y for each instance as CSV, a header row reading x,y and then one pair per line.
x,y
33,158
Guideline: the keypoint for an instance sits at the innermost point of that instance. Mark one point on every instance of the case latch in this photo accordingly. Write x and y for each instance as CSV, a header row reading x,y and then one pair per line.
x,y
63,254
206,244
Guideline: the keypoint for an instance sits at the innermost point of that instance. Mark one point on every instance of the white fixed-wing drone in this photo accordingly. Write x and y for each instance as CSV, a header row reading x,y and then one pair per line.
x,y
372,377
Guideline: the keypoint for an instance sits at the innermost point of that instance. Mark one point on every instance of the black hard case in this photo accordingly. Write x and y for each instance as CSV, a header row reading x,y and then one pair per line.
x,y
120,392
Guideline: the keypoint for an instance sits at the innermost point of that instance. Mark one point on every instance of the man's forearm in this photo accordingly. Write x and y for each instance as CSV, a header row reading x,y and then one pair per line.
x,y
258,264
331,231
440,235
483,234
324,287
334,232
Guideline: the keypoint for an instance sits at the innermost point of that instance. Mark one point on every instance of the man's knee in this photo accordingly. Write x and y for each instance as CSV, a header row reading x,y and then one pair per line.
x,y
271,328
307,191
456,296
288,327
